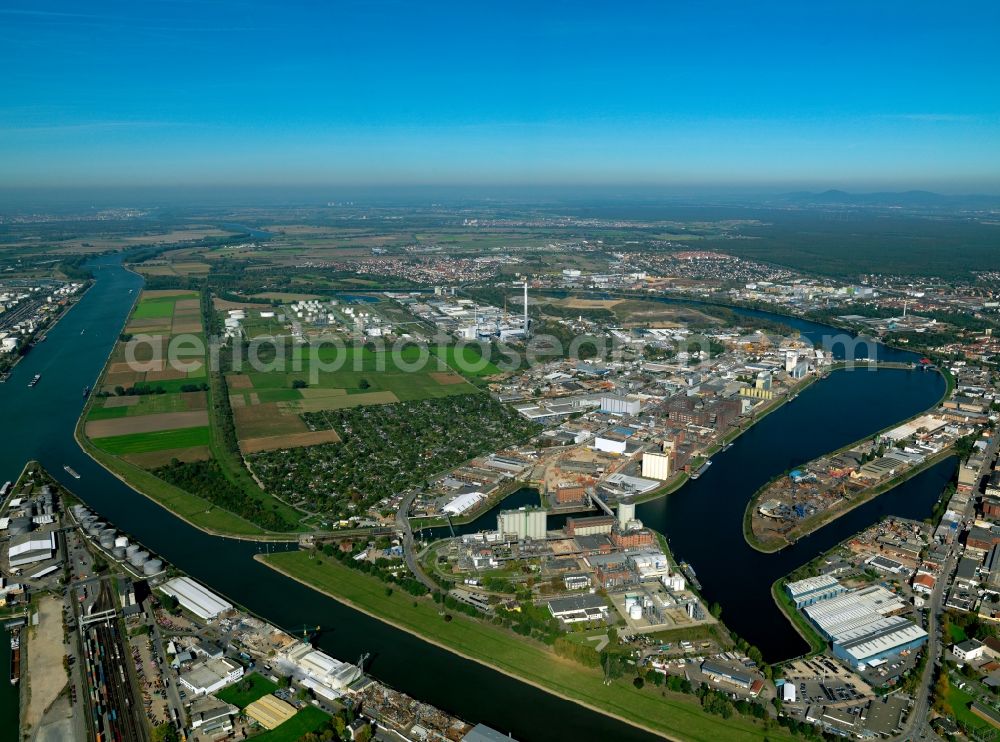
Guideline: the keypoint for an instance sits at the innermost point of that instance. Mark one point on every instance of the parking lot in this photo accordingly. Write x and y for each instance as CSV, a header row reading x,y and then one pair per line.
x,y
824,681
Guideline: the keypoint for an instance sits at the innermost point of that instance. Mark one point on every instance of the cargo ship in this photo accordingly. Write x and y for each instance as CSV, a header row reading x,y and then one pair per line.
x,y
86,391
701,469
71,471
688,571
15,656
35,380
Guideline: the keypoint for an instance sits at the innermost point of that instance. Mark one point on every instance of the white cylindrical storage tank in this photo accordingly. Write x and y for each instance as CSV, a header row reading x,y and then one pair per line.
x,y
121,541
118,552
108,533
635,612
152,567
132,549
107,542
139,558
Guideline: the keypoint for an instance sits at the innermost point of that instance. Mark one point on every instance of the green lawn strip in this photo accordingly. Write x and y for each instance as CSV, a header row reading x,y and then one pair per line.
x,y
526,659
309,719
259,687
156,441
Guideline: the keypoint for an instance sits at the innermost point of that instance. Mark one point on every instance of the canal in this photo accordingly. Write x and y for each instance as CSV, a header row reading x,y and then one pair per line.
x,y
702,520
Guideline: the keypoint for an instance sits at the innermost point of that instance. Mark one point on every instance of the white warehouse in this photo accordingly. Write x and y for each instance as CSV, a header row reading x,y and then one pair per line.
x,y
193,597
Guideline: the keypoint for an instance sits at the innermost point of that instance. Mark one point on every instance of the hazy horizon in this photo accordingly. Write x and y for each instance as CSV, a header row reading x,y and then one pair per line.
x,y
775,97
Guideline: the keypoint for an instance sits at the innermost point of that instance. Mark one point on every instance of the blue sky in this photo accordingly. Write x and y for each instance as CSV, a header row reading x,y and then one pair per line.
x,y
866,94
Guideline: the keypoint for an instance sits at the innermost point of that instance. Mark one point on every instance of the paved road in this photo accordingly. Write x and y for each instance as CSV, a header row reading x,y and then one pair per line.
x,y
409,552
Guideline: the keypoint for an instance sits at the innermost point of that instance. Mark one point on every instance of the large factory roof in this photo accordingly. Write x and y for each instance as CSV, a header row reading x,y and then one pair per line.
x,y
195,598
879,637
852,610
811,585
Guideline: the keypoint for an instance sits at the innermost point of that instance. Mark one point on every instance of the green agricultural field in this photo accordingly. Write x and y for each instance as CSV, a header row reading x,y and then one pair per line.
x,y
241,697
157,441
673,714
157,307
147,404
309,719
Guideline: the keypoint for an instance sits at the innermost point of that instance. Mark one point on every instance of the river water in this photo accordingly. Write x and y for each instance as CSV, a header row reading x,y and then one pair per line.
x,y
702,520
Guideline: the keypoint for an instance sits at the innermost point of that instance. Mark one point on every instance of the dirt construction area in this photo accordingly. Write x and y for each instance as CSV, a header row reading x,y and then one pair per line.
x,y
45,650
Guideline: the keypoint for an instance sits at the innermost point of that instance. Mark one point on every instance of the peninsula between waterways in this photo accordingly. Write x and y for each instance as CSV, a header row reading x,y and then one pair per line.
x,y
702,520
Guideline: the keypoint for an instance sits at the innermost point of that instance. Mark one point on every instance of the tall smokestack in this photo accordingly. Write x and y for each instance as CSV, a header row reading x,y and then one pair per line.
x,y
525,308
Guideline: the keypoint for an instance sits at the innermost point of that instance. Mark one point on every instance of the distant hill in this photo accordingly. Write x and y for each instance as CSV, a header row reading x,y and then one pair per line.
x,y
889,199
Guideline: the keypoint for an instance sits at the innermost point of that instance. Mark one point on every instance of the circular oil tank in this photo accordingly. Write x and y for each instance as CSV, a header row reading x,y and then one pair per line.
x,y
118,552
132,549
635,612
121,541
94,529
107,542
152,567
108,533
139,558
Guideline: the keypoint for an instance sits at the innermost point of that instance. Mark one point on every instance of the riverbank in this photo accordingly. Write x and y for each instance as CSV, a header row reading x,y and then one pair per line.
x,y
670,716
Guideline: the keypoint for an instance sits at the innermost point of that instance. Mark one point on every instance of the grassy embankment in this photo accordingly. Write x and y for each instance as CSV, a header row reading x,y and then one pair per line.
x,y
668,714
805,629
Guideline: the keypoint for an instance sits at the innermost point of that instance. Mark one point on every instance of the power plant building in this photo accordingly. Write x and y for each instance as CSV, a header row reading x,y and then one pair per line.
x,y
523,523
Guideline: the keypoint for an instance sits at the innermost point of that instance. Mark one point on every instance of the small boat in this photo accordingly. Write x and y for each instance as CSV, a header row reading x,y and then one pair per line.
x,y
71,471
86,391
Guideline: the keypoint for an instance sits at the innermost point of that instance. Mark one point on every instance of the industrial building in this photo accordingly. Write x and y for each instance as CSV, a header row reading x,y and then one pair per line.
x,y
723,673
862,627
523,523
463,502
31,548
878,640
620,404
211,675
317,671
194,598
814,589
597,524
579,608
270,711
656,465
